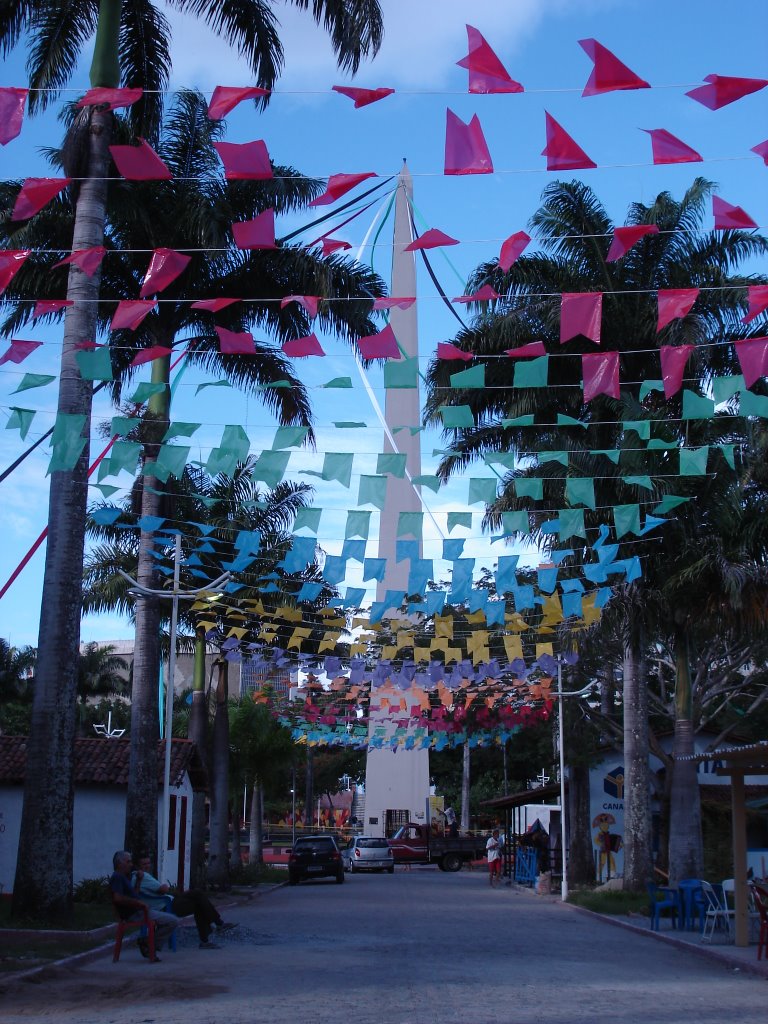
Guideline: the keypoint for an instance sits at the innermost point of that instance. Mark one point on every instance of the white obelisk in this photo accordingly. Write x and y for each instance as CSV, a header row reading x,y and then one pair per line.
x,y
397,780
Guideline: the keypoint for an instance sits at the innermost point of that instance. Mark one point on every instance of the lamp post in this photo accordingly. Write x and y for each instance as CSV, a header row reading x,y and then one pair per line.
x,y
293,805
561,752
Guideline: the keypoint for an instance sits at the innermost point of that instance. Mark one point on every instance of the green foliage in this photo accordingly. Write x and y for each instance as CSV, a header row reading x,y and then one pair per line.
x,y
15,718
257,874
614,902
92,890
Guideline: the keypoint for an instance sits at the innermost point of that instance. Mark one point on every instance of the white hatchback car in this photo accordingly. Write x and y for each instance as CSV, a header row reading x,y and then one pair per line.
x,y
365,853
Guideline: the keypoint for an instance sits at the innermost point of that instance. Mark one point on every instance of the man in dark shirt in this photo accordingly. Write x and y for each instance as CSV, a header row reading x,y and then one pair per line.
x,y
131,908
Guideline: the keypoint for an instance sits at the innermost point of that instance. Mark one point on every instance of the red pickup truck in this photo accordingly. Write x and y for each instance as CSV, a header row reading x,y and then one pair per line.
x,y
415,844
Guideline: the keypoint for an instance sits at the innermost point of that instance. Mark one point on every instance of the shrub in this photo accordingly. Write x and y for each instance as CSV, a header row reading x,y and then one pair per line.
x,y
92,890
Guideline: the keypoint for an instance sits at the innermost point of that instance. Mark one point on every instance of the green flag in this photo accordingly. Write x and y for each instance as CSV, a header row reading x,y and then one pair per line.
x,y
67,442
289,437
427,480
753,405
459,519
95,363
401,373
21,420
626,518
33,380
457,417
515,522
358,524
580,491
474,377
571,523
307,518
338,466
270,467
693,461
482,490
531,373
373,491
171,460
409,524
724,388
177,429
639,481
392,463
519,421
338,382
532,488
145,390
697,407
561,457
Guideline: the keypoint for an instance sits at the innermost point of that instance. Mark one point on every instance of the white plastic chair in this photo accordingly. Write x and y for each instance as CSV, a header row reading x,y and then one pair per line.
x,y
718,914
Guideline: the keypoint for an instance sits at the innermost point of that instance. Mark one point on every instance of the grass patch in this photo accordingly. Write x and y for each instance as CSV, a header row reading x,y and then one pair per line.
x,y
613,902
85,916
257,874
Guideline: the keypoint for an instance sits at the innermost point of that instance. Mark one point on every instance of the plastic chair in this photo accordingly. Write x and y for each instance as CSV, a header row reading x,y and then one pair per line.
x,y
691,904
760,896
656,905
717,912
172,938
146,930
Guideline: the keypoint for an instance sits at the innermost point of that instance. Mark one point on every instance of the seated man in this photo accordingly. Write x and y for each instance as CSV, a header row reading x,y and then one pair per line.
x,y
131,907
191,902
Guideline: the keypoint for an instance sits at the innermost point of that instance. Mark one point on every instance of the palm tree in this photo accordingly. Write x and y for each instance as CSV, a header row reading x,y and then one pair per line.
x,y
132,47
101,673
17,678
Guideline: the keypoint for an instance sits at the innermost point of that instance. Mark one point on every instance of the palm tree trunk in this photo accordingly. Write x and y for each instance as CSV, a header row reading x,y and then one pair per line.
x,y
465,784
197,732
255,851
43,882
236,853
686,854
309,789
637,804
141,805
218,862
581,864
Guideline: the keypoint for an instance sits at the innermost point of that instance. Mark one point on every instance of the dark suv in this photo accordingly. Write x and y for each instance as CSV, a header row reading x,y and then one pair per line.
x,y
315,857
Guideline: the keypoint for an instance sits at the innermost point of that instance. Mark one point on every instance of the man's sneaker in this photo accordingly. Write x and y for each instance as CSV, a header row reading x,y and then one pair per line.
x,y
209,945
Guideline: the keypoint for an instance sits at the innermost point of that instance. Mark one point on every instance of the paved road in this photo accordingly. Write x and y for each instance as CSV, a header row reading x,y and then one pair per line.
x,y
389,949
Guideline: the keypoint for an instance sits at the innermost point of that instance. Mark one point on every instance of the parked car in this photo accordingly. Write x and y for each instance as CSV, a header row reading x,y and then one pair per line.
x,y
366,853
315,857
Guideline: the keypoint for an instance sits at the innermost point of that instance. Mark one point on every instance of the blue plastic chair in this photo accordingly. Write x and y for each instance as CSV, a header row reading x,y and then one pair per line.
x,y
692,904
669,901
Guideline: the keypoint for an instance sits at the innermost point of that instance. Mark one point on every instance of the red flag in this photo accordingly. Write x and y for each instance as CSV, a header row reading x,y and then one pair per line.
x,y
247,161
130,313
226,98
331,245
380,346
728,216
562,152
668,149
35,194
580,313
753,357
18,351
11,112
673,360
512,248
307,346
258,233
362,97
758,301
88,260
723,90
112,98
164,267
431,239
447,351
608,74
484,294
234,343
625,238
486,72
139,163
338,185
148,355
600,371
45,306
309,302
674,303
11,261
762,150
466,151
533,348
392,301
212,305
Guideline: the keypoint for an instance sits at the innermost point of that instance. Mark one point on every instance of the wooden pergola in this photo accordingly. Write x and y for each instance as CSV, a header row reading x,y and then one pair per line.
x,y
737,762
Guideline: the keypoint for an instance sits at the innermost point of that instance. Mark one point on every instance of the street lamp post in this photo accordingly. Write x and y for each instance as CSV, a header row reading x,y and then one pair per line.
x,y
293,805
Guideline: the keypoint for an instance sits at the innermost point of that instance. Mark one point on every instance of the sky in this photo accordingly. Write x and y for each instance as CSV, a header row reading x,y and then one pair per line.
x,y
672,45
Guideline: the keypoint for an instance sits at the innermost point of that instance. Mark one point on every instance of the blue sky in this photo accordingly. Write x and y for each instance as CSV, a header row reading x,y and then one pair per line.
x,y
672,45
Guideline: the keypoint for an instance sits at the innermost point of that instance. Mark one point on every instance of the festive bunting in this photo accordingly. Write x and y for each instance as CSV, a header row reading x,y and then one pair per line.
x,y
67,442
148,355
11,262
728,216
113,99
258,233
362,97
431,239
270,467
753,359
309,302
674,304
337,466
372,490
673,360
625,238
723,90
512,248
693,461
226,97
307,346
95,364
445,350
608,74
234,343
392,301
600,371
130,313
562,152
757,295
338,382
331,245
139,163
410,524
247,161
762,151
466,151
171,461
459,519
380,346
164,267
486,72
749,404
21,420
533,348
212,305
474,377
36,193
484,294
358,524
401,373
87,260
338,186
482,490
668,149
12,102
724,388
580,491
532,488
697,407
456,417
626,519
580,314
18,351
531,374
44,307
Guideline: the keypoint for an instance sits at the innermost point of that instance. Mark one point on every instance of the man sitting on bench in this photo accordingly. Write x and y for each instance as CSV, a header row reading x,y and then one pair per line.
x,y
130,906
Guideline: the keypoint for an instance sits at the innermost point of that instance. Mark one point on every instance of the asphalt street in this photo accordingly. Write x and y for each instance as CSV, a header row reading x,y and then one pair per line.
x,y
388,949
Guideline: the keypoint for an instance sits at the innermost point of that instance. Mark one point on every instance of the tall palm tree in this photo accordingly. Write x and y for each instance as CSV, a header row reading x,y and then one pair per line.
x,y
101,673
131,47
17,672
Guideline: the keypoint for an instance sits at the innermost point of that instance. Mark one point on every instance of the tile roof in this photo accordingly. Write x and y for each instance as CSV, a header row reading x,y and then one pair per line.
x,y
105,762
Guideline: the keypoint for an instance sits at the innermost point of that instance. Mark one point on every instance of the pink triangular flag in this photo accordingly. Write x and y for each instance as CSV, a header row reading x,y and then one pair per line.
x,y
673,360
234,343
362,97
757,295
723,89
307,346
668,149
392,301
309,302
762,150
533,348
445,350
164,267
484,294
258,233
380,346
18,351
35,194
431,239
12,102
728,216
11,262
139,163
562,152
45,306
338,185
331,245
512,248
227,97
212,305
130,313
112,98
580,313
625,238
753,358
486,72
600,371
466,151
148,355
88,260
674,303
608,74
247,161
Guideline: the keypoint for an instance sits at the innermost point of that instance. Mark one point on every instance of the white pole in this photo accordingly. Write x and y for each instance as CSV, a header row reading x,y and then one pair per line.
x,y
165,820
560,746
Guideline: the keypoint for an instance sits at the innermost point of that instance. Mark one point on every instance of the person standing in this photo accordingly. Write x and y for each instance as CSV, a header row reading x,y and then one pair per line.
x,y
190,902
493,850
450,821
